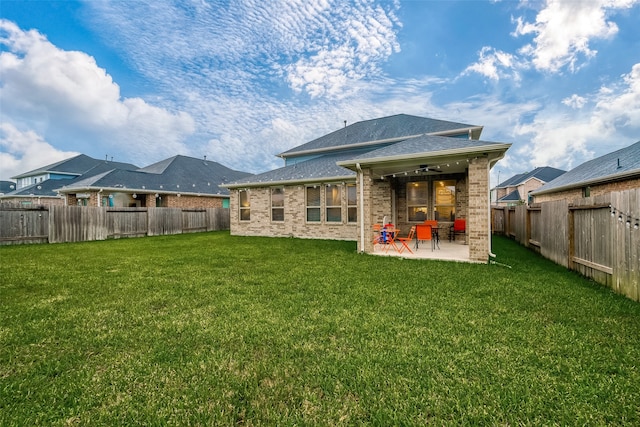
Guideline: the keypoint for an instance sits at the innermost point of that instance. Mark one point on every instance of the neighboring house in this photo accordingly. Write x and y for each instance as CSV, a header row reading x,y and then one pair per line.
x,y
178,181
516,190
38,187
402,167
616,171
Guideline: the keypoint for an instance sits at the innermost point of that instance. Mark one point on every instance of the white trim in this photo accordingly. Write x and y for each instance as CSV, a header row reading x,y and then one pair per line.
x,y
466,151
306,181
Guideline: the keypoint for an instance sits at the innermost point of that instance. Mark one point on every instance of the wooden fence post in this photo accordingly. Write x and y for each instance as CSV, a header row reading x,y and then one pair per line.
x,y
571,237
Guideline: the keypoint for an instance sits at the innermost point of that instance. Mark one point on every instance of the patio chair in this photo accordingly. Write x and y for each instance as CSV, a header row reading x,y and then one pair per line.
x,y
459,227
377,235
434,230
389,236
423,233
404,240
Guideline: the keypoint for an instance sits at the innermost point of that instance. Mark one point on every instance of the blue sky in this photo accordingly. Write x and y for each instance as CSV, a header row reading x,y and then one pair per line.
x,y
241,81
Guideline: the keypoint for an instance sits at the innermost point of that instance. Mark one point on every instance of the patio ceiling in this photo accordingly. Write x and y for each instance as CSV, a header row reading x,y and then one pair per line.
x,y
419,167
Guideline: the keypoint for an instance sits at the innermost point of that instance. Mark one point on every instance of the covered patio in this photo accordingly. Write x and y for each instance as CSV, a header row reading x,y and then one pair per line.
x,y
428,178
446,250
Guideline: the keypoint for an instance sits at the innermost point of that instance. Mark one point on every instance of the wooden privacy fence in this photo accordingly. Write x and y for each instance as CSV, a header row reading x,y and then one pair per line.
x,y
58,224
595,236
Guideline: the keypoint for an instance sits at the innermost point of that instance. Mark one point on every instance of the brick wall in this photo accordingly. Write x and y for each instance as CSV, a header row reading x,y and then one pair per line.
x,y
195,202
35,201
294,224
595,190
149,200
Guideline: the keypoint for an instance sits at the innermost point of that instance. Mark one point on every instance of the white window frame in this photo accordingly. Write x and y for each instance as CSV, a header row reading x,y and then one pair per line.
x,y
246,208
352,206
437,205
309,207
277,205
418,205
327,197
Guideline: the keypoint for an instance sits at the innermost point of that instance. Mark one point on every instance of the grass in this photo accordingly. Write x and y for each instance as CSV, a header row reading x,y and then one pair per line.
x,y
212,329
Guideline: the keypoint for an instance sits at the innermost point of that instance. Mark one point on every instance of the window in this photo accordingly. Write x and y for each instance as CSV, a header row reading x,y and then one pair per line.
x,y
277,204
445,200
313,204
352,203
333,197
417,201
245,205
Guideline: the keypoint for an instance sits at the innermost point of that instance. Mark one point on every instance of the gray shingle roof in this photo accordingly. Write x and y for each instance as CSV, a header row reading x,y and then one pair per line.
x,y
78,165
544,174
180,174
325,167
45,188
514,180
514,196
384,128
319,168
7,186
616,165
422,145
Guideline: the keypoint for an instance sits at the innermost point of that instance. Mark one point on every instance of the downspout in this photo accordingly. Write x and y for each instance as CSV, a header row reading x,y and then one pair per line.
x,y
361,216
491,254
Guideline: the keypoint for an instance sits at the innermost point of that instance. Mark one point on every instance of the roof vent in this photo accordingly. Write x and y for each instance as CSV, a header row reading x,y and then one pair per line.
x,y
619,166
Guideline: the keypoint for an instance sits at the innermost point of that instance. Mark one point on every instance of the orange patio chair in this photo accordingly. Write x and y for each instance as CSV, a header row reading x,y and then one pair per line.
x,y
459,227
388,239
377,235
434,230
404,240
423,233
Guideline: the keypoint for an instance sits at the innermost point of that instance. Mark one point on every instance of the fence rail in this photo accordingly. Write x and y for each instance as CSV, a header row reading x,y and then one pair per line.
x,y
583,236
59,224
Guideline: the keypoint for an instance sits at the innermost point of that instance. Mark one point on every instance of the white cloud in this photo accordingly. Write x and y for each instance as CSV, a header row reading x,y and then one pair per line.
x,y
495,64
65,92
619,105
23,151
320,48
236,67
563,30
575,101
567,138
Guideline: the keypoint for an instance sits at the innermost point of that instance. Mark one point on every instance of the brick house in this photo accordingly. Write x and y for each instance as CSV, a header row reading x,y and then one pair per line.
x,y
517,189
616,171
401,167
38,186
176,182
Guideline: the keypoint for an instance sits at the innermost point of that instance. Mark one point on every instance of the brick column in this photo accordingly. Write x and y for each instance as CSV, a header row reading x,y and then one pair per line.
x,y
478,213
365,211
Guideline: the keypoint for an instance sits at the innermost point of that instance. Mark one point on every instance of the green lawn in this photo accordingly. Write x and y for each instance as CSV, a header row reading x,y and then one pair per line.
x,y
211,329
